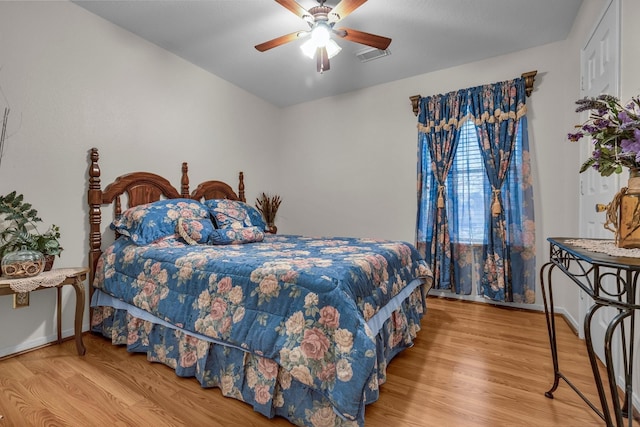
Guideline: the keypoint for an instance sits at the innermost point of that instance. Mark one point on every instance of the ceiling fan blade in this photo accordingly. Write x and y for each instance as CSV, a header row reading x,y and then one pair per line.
x,y
294,7
361,37
322,60
281,40
344,8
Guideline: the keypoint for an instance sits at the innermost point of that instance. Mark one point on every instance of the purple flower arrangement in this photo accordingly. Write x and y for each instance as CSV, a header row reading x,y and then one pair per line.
x,y
615,133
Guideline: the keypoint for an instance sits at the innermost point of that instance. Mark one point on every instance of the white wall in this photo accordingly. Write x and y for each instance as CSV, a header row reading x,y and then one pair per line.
x,y
74,82
630,73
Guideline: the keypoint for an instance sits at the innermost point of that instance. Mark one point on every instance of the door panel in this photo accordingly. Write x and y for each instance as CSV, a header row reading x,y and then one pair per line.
x,y
600,68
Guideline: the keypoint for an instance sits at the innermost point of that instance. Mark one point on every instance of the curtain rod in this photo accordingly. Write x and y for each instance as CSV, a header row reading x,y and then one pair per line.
x,y
528,77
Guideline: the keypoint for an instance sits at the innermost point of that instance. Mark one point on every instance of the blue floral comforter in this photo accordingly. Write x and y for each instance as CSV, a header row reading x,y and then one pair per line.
x,y
302,302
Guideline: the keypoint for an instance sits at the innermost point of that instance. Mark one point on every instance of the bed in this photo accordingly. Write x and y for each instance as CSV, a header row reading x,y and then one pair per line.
x,y
298,327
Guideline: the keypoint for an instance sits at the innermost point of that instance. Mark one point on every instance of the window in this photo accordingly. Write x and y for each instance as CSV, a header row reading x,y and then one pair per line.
x,y
468,184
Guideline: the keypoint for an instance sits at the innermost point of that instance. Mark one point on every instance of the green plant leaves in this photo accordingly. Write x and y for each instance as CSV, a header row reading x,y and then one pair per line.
x,y
22,231
16,210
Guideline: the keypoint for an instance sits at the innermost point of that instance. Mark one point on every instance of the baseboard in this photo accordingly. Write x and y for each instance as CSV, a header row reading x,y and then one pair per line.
x,y
635,397
34,344
479,299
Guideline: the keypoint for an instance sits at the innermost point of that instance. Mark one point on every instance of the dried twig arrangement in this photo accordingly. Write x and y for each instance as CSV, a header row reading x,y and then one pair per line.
x,y
3,132
5,120
268,207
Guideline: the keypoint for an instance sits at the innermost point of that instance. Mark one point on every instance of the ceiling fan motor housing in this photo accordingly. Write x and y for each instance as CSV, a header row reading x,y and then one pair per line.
x,y
320,13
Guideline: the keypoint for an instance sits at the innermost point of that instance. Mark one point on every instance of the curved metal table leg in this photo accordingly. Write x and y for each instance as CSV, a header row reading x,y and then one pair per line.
x,y
551,324
613,324
606,413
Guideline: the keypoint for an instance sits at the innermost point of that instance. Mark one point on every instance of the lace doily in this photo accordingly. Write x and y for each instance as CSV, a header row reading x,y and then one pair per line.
x,y
604,246
46,279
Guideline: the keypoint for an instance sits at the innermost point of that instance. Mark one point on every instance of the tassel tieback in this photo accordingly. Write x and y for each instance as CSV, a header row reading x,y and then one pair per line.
x,y
496,208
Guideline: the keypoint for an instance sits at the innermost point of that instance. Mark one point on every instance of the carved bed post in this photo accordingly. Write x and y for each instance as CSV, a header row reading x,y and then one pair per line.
x,y
94,198
184,182
241,188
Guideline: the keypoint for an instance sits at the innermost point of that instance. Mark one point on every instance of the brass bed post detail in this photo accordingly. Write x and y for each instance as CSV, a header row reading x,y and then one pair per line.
x,y
94,198
184,182
529,78
241,188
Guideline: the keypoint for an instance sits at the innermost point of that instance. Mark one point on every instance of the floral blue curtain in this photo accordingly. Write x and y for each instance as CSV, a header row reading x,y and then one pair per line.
x,y
508,257
501,261
438,126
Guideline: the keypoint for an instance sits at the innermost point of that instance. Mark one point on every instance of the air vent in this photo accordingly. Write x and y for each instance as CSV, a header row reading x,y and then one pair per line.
x,y
370,54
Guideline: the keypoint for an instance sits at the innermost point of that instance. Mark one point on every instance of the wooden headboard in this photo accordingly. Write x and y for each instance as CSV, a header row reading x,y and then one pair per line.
x,y
141,188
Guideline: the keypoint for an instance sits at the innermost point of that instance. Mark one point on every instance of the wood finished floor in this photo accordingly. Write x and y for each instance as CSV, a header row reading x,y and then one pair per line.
x,y
471,366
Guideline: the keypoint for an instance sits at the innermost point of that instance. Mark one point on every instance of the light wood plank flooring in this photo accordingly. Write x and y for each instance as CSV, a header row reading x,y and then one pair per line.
x,y
471,366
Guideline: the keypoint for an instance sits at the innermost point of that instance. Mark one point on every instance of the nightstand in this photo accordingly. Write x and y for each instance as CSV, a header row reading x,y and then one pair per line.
x,y
57,277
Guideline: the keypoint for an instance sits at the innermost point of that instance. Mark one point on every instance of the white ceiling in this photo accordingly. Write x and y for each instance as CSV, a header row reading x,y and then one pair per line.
x,y
428,35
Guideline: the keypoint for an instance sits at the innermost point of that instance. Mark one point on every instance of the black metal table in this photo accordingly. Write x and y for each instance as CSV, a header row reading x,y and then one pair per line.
x,y
589,270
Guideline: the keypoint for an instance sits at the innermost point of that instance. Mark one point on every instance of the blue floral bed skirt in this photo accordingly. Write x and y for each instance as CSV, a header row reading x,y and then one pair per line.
x,y
249,377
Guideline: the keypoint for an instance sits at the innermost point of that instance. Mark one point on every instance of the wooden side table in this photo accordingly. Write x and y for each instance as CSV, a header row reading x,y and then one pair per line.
x,y
58,277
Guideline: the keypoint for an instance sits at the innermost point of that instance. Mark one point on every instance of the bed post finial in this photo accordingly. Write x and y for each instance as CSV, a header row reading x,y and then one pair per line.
x,y
241,188
94,198
184,182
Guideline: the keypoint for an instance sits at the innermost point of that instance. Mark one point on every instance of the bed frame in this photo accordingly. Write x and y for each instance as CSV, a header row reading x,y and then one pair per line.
x,y
141,188
145,187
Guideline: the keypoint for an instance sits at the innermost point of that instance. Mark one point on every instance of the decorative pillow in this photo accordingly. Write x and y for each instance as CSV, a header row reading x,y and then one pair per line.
x,y
229,236
256,217
234,214
149,222
194,231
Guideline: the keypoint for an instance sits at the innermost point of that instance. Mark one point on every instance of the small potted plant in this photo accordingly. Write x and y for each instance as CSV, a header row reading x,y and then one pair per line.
x,y
18,230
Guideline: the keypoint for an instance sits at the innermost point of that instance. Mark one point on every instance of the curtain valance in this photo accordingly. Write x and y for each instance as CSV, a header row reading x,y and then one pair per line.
x,y
481,104
529,79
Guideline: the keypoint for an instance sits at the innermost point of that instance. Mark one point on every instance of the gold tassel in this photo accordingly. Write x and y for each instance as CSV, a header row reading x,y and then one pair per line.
x,y
495,204
440,196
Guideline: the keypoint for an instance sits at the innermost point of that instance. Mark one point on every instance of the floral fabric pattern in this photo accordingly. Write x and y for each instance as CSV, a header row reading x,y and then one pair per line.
x,y
146,223
300,303
195,231
234,236
234,214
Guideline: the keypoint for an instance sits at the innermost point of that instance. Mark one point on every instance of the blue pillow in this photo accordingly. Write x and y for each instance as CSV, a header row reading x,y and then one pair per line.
x,y
234,236
146,223
234,214
195,231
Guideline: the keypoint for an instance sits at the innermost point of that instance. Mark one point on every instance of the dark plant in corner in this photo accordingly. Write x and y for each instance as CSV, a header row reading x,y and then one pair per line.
x,y
18,228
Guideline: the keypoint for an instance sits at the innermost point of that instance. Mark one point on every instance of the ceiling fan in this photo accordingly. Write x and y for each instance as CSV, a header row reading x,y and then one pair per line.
x,y
321,20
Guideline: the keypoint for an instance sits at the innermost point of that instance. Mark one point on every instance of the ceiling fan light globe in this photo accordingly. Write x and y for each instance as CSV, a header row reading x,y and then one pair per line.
x,y
309,48
332,48
321,34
